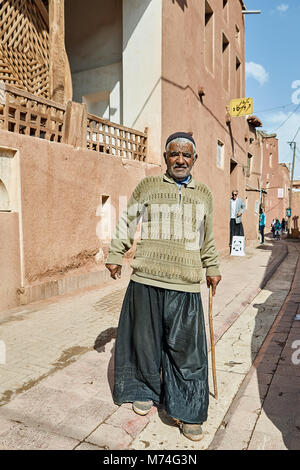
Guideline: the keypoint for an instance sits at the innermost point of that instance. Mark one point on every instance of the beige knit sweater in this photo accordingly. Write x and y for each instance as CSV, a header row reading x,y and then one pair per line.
x,y
177,240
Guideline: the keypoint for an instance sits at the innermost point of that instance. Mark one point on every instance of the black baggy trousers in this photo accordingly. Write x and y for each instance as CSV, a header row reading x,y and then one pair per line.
x,y
235,230
161,351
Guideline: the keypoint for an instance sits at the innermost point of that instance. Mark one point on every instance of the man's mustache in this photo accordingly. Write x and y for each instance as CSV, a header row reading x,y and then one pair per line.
x,y
179,166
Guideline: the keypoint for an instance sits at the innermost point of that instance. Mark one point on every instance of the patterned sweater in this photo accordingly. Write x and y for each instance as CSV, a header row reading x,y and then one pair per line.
x,y
177,240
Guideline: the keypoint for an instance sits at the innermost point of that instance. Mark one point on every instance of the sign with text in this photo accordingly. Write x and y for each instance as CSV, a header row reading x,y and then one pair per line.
x,y
288,212
241,107
238,246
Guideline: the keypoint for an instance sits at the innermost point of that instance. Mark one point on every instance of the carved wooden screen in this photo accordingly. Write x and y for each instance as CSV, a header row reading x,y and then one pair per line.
x,y
24,46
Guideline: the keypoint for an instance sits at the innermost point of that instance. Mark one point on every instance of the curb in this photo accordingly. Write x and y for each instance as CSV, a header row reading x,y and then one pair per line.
x,y
219,435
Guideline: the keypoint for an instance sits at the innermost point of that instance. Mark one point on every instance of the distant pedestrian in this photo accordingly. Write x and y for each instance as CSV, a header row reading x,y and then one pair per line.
x,y
283,225
273,227
237,208
277,229
262,224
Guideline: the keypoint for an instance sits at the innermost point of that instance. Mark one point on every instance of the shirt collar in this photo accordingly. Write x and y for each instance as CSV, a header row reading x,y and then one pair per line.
x,y
190,184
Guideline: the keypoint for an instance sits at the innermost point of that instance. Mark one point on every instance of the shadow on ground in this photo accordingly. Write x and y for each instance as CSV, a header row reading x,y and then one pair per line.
x,y
280,398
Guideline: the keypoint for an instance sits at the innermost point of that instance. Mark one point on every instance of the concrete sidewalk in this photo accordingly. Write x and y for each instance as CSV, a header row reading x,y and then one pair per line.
x,y
265,413
56,388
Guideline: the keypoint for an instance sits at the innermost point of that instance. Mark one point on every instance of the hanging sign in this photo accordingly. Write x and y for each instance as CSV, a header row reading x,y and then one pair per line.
x,y
241,107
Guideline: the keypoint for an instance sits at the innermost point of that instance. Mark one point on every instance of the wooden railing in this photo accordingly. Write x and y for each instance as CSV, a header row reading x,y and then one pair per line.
x,y
107,137
28,114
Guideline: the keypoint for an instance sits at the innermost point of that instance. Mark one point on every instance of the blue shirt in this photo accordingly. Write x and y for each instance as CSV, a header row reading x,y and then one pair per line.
x,y
181,182
262,219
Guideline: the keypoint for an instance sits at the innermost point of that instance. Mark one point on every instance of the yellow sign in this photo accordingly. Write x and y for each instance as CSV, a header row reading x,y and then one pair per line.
x,y
241,107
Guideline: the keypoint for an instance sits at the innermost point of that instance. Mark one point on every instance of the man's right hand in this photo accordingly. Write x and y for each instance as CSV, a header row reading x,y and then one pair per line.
x,y
115,270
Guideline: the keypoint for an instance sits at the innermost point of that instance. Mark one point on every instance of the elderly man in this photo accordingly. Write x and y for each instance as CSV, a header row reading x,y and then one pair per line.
x,y
161,353
237,208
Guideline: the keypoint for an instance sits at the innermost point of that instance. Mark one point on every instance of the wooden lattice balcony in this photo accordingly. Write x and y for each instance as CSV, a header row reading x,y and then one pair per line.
x,y
24,113
105,136
24,46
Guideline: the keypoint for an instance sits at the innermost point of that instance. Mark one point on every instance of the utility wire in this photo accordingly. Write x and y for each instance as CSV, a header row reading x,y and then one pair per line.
x,y
293,140
295,110
272,109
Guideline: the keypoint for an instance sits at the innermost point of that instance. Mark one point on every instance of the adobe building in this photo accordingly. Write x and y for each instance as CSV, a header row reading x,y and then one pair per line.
x,y
61,167
90,91
295,219
275,180
253,181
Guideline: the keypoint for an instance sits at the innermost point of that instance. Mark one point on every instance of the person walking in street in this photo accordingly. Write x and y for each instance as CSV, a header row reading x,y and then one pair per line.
x,y
283,225
273,227
161,351
277,229
237,208
262,224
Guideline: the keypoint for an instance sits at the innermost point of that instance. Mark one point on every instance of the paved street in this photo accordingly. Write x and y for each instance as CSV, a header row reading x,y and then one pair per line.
x,y
56,383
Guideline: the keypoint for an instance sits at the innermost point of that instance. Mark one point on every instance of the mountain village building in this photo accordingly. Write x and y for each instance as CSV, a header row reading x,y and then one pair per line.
x,y
89,93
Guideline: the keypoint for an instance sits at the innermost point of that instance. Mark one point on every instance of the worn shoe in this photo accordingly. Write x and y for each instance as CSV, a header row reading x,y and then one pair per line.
x,y
142,407
191,431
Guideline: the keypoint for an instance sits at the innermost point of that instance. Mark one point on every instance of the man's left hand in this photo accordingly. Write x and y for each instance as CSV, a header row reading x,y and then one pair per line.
x,y
213,281
239,214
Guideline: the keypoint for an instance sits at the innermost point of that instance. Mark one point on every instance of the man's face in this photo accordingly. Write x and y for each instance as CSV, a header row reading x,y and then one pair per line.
x,y
234,195
179,159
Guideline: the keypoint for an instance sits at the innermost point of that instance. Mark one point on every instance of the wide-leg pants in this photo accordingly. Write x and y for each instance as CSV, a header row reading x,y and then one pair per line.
x,y
161,351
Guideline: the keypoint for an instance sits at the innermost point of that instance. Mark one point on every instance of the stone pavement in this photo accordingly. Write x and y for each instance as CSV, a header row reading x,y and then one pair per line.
x,y
265,413
56,383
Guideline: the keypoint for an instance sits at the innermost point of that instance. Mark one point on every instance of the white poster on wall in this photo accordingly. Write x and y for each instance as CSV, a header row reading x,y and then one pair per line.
x,y
238,246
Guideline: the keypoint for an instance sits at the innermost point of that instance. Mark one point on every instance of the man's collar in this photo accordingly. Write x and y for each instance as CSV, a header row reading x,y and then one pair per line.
x,y
190,184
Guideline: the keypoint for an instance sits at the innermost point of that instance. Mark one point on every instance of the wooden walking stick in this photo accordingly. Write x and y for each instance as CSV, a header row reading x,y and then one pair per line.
x,y
212,342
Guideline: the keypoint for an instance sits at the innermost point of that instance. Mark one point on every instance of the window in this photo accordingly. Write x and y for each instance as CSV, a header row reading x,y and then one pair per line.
x,y
209,37
237,33
270,160
238,70
220,155
225,58
4,198
233,166
225,9
103,211
249,165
